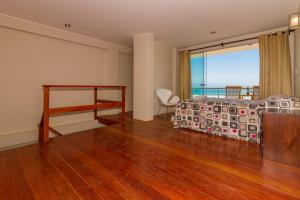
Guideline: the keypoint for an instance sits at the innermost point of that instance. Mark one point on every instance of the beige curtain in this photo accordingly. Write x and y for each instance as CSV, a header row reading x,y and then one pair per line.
x,y
185,75
275,65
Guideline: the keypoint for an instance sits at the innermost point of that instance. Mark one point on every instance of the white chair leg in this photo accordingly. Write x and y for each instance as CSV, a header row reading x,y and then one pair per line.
x,y
159,109
167,113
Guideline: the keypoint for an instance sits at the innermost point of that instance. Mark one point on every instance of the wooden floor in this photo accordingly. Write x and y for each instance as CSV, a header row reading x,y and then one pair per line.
x,y
144,160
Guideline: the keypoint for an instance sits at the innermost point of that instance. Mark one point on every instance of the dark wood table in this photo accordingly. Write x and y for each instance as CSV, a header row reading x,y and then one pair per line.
x,y
281,136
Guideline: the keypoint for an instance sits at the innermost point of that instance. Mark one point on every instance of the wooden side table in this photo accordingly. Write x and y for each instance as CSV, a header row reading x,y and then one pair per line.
x,y
281,136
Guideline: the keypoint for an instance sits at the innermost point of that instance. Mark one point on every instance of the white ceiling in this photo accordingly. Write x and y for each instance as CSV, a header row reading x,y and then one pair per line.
x,y
177,23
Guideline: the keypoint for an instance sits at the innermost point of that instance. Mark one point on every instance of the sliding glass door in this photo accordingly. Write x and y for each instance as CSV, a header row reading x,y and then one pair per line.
x,y
198,65
213,70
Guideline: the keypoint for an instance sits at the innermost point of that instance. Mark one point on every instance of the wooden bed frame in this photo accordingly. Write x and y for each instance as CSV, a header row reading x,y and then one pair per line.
x,y
99,104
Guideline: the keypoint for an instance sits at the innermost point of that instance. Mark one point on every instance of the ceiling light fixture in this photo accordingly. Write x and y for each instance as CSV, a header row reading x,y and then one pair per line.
x,y
294,21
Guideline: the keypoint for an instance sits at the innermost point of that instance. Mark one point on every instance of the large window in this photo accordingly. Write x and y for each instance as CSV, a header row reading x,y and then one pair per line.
x,y
235,66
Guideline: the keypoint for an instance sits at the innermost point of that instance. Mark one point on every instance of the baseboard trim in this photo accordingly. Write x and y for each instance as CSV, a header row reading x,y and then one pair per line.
x,y
18,138
18,145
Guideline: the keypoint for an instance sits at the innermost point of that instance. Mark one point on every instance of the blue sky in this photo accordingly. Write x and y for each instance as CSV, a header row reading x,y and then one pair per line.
x,y
230,68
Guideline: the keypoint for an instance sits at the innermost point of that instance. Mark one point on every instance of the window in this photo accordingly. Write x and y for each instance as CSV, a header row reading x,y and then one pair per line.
x,y
235,66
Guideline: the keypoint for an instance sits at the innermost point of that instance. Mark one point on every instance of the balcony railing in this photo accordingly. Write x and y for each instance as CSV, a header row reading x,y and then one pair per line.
x,y
219,92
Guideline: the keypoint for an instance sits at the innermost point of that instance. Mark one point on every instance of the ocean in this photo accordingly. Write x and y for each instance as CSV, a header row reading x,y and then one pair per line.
x,y
213,92
208,91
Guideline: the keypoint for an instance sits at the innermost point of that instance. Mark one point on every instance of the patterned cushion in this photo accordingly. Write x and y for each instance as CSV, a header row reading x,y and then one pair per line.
x,y
283,102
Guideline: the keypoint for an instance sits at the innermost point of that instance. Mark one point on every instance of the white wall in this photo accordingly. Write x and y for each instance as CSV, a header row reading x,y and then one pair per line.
x,y
163,72
32,54
125,77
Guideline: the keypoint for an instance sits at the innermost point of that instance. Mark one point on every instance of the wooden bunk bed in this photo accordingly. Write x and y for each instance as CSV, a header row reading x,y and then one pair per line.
x,y
99,104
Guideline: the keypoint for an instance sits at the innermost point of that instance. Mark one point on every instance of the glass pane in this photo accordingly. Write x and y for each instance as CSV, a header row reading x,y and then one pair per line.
x,y
213,70
236,66
198,74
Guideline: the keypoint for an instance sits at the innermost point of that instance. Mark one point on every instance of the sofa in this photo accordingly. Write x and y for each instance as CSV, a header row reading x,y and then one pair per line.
x,y
238,119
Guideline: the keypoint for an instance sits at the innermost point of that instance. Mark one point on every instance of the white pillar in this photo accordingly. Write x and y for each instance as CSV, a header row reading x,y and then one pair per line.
x,y
143,65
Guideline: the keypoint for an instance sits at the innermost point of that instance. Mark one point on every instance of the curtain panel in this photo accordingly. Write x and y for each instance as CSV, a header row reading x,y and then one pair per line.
x,y
185,75
275,65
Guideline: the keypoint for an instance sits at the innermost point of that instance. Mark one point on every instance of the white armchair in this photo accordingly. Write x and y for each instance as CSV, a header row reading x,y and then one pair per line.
x,y
166,98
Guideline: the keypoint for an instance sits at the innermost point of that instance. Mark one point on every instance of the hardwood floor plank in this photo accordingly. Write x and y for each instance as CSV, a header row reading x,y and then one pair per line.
x,y
150,173
18,185
94,177
35,178
252,176
127,184
144,160
58,184
189,176
265,168
74,179
4,179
